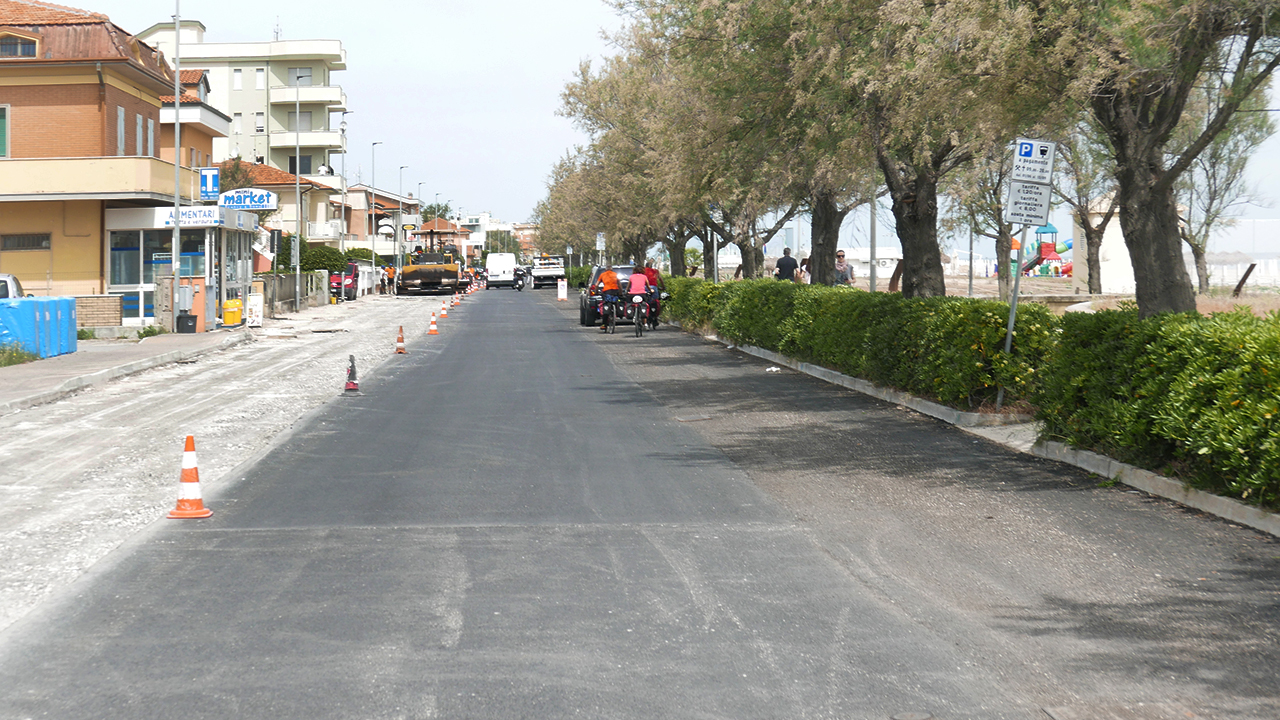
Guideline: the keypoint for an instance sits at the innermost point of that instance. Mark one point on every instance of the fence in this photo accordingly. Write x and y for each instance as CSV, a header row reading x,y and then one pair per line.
x,y
1266,274
279,291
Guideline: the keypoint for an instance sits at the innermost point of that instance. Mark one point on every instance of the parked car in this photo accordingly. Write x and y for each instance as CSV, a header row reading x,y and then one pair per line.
x,y
589,300
349,283
10,287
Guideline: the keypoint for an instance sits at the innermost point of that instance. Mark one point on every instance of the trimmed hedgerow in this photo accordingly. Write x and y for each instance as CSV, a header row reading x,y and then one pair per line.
x,y
1182,394
950,349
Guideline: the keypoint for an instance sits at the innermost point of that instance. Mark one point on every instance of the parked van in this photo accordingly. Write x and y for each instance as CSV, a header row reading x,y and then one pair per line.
x,y
10,287
501,268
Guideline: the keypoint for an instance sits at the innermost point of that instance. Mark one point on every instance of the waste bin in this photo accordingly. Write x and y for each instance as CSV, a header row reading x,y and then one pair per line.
x,y
231,312
186,323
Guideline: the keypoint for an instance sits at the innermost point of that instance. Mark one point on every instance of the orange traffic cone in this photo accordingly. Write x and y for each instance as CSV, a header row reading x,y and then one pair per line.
x,y
190,505
400,343
444,309
456,301
433,330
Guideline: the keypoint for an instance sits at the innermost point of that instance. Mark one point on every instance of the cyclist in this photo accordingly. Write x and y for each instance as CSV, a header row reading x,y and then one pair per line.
x,y
655,286
608,285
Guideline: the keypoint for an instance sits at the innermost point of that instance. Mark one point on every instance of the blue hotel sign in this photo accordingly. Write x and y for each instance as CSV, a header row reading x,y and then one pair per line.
x,y
248,199
209,178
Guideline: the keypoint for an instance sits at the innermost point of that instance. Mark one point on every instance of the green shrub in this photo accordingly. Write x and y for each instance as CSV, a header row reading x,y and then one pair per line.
x,y
578,275
85,334
13,354
322,257
151,331
1180,394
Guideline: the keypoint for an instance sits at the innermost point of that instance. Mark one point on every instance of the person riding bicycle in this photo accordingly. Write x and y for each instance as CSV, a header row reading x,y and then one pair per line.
x,y
655,286
608,285
638,283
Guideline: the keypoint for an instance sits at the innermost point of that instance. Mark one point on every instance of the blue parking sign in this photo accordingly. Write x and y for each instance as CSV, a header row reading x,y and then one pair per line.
x,y
1026,149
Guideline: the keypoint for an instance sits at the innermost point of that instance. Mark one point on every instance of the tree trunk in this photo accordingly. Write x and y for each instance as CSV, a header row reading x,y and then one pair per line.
x,y
709,241
1004,248
752,257
1093,249
1149,219
1202,268
915,210
674,243
825,221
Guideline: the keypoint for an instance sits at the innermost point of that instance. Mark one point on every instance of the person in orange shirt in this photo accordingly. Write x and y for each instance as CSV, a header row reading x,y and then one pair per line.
x,y
608,285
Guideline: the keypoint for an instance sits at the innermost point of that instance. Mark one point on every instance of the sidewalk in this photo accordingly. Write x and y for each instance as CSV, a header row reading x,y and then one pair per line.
x,y
99,361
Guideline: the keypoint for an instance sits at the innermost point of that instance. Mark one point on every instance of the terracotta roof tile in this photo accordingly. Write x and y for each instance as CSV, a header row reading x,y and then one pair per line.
x,y
33,12
186,98
191,77
262,175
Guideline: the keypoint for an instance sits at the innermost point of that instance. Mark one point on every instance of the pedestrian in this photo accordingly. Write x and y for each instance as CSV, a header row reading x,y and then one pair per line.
x,y
844,271
787,266
382,283
803,276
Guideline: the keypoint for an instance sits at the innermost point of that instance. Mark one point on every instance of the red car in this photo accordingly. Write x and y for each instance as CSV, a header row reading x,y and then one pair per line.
x,y
349,282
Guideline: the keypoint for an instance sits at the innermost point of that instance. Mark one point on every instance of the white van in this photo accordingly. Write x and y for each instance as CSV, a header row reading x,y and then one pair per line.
x,y
501,268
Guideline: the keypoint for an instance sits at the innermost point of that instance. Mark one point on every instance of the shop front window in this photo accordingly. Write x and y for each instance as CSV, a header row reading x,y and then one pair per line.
x,y
126,267
156,259
193,255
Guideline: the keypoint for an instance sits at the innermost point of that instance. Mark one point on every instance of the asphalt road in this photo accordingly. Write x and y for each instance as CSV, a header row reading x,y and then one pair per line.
x,y
568,524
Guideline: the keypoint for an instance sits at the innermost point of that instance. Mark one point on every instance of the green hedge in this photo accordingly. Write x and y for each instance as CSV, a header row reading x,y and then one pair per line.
x,y
1188,396
949,349
1184,395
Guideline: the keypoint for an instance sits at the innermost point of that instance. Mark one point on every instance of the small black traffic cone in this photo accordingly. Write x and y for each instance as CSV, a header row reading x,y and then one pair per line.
x,y
353,386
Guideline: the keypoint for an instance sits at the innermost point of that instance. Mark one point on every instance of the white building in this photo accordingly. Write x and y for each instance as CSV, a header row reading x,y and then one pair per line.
x,y
280,95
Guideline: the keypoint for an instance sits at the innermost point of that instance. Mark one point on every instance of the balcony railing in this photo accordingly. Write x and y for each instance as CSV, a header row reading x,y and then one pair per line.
x,y
331,95
93,178
324,230
307,139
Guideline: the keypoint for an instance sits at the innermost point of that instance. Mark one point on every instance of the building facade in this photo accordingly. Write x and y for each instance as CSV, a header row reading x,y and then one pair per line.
x,y
280,95
80,134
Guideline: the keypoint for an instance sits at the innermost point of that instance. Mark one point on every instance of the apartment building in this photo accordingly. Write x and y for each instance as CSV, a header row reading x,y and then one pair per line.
x,y
80,135
281,96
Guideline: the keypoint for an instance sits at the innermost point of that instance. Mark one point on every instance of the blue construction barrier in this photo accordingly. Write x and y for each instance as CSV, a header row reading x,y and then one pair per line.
x,y
42,326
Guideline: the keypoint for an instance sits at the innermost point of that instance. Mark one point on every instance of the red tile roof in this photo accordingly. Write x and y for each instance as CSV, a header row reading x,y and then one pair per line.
x,y
33,12
186,98
191,77
439,225
265,175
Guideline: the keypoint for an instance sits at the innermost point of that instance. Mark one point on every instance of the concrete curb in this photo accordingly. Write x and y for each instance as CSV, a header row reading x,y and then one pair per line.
x,y
107,374
1135,477
1159,485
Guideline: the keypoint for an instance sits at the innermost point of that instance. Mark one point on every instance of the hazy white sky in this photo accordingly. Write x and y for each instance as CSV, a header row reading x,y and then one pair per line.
x,y
463,93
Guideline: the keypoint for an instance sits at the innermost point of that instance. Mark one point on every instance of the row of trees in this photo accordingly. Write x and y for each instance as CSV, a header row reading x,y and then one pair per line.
x,y
720,120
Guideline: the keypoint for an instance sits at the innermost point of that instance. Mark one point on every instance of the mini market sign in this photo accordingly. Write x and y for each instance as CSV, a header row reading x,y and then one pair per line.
x,y
248,199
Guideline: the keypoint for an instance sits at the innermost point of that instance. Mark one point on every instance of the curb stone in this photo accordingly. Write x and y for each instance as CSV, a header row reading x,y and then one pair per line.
x,y
107,374
1135,477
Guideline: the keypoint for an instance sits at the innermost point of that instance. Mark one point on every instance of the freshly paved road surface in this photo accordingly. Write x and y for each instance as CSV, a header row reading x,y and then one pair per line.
x,y
564,524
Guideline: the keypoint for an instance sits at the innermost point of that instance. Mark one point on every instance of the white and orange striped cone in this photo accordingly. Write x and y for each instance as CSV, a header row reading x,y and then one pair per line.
x,y
444,309
456,301
190,504
400,343
432,330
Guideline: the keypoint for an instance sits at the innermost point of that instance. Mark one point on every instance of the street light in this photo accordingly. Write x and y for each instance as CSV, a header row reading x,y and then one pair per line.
x,y
373,187
342,241
398,238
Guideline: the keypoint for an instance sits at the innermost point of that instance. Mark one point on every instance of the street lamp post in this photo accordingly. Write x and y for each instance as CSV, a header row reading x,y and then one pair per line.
x,y
297,193
342,241
399,230
373,187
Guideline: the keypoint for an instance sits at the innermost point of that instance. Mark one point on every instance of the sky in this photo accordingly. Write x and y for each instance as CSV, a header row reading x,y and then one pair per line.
x,y
465,94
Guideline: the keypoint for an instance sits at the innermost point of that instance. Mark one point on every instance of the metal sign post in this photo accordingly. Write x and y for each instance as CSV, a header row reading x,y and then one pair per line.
x,y
1030,191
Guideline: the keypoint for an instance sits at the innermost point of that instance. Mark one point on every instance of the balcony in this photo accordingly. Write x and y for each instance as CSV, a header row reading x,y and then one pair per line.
x,y
330,95
330,230
327,139
100,178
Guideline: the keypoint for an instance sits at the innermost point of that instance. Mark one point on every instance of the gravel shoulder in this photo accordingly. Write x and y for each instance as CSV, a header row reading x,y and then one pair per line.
x,y
81,475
